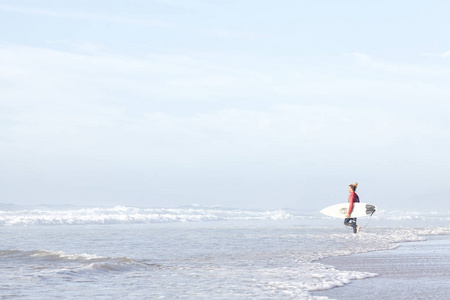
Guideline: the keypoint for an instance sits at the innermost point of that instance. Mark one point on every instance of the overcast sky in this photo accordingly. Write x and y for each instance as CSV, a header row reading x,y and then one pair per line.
x,y
252,104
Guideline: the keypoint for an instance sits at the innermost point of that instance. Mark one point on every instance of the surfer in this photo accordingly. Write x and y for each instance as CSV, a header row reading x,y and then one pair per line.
x,y
353,198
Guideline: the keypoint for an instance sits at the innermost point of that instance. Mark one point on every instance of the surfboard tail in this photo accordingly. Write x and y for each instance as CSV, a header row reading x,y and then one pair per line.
x,y
370,209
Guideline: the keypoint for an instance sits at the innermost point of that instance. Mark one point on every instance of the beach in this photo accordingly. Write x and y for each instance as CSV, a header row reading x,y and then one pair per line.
x,y
415,270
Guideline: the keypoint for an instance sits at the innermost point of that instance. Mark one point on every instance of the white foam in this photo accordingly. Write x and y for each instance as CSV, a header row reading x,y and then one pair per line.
x,y
129,215
50,255
309,278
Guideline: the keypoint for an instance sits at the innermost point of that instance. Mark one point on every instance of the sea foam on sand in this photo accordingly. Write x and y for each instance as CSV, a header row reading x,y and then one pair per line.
x,y
415,270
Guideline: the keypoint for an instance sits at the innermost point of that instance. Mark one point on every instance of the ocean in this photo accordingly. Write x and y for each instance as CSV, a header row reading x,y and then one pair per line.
x,y
189,252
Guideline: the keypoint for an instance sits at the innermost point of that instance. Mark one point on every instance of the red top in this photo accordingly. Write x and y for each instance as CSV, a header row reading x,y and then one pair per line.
x,y
353,198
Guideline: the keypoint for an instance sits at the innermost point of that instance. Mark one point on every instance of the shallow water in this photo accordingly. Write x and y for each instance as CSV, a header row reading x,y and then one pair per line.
x,y
192,252
415,270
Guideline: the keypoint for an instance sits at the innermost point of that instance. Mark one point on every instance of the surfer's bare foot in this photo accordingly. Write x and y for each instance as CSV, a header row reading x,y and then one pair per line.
x,y
358,229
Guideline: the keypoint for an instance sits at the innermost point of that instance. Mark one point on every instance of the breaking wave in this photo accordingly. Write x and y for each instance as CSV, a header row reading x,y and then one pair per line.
x,y
75,263
131,215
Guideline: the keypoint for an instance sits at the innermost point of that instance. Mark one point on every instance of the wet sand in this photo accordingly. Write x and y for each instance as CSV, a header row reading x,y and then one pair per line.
x,y
416,270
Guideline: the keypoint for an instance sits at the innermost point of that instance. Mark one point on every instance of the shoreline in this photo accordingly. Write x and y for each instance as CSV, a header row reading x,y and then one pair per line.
x,y
414,270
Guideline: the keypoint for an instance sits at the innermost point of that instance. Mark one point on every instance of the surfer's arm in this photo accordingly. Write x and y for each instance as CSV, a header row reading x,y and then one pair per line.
x,y
351,199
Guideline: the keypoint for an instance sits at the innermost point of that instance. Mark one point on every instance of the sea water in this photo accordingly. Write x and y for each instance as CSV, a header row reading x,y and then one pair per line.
x,y
187,252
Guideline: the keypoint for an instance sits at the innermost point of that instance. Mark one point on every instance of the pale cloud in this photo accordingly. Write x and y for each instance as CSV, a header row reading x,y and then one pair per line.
x,y
30,11
93,131
228,34
83,46
445,54
66,91
401,68
97,111
39,73
114,18
40,77
84,16
90,73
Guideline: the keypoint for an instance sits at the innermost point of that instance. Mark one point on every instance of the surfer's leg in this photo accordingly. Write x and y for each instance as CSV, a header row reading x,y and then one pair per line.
x,y
347,222
356,228
354,225
350,222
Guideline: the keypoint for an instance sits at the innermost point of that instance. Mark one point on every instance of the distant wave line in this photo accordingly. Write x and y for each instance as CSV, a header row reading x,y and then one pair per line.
x,y
124,215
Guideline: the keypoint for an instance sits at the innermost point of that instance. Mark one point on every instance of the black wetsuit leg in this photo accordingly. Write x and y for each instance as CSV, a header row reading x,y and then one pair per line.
x,y
350,222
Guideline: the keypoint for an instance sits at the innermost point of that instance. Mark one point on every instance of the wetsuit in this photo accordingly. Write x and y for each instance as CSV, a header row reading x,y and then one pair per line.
x,y
353,198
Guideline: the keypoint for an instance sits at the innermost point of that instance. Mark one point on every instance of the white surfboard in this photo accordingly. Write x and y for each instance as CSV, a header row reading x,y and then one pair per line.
x,y
341,210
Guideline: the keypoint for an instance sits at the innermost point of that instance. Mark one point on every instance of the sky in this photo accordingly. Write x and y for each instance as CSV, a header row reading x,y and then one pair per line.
x,y
248,104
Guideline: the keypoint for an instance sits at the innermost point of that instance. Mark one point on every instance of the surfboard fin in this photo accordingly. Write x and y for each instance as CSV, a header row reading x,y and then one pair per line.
x,y
370,209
